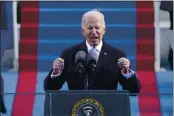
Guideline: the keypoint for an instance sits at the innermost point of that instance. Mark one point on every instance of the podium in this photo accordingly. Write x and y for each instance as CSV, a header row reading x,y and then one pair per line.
x,y
87,103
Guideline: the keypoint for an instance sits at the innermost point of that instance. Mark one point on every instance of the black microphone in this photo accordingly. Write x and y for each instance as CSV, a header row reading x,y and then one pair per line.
x,y
92,61
80,60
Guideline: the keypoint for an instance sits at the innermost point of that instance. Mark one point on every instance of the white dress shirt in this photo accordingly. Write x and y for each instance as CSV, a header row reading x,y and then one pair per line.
x,y
98,49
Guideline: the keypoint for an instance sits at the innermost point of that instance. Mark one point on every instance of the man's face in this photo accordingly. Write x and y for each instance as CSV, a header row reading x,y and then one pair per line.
x,y
93,29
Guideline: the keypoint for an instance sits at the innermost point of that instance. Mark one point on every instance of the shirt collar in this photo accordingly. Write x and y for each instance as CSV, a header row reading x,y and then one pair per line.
x,y
98,47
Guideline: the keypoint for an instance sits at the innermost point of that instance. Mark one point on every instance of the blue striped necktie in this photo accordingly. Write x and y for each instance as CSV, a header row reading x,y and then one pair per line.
x,y
93,50
96,51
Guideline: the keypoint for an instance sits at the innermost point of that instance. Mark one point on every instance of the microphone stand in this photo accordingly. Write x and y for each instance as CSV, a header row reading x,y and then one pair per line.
x,y
86,81
91,70
84,74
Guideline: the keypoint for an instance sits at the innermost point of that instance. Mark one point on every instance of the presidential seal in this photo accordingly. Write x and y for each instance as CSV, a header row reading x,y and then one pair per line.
x,y
87,107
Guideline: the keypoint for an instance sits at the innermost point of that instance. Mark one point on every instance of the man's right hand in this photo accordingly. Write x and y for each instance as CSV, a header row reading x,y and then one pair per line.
x,y
58,66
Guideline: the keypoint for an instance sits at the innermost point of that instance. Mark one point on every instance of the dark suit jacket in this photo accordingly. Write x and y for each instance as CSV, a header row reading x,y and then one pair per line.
x,y
2,106
106,77
168,6
3,16
19,12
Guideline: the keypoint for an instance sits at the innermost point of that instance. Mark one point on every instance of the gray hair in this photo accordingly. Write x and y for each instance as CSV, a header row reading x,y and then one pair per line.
x,y
93,12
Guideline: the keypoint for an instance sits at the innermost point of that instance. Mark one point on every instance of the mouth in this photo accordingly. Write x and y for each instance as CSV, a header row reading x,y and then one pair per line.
x,y
94,38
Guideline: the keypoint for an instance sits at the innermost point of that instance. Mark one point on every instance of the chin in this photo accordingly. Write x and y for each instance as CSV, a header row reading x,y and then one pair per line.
x,y
94,43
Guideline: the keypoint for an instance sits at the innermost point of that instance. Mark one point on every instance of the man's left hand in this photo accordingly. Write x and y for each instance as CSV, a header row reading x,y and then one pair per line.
x,y
124,65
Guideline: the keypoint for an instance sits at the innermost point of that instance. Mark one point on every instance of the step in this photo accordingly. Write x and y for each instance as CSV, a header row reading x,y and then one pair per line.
x,y
55,47
145,32
45,64
75,33
145,63
87,4
144,4
145,46
149,16
27,64
6,35
117,17
30,17
49,48
28,33
112,32
27,49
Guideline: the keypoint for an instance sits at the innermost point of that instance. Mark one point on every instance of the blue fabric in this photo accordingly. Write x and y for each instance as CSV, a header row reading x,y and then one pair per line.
x,y
6,36
60,27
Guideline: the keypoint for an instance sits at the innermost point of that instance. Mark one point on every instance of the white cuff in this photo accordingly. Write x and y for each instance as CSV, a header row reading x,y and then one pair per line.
x,y
129,75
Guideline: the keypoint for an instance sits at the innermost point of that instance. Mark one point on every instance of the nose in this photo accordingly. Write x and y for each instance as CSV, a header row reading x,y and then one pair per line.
x,y
94,31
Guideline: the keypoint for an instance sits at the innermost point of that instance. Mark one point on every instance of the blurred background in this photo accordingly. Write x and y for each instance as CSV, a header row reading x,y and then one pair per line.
x,y
33,34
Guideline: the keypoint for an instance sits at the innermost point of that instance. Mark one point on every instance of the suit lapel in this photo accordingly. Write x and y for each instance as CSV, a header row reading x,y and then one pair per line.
x,y
82,47
103,53
102,57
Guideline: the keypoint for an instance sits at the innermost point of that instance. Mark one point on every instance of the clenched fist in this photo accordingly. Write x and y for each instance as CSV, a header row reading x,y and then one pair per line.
x,y
124,65
58,66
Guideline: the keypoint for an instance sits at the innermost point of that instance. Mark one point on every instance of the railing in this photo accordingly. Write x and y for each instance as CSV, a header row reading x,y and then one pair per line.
x,y
16,31
157,36
159,24
148,108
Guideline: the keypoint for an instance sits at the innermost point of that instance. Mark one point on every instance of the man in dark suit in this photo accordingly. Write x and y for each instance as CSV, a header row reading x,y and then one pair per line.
x,y
19,12
112,66
168,6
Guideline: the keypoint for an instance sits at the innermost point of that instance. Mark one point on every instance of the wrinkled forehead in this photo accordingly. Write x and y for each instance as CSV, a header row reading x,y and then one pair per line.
x,y
94,20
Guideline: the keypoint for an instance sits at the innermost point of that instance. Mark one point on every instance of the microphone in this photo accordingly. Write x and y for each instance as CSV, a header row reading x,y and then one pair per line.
x,y
80,59
92,61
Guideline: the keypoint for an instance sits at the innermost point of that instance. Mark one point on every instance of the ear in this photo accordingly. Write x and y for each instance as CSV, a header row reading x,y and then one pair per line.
x,y
82,30
104,30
